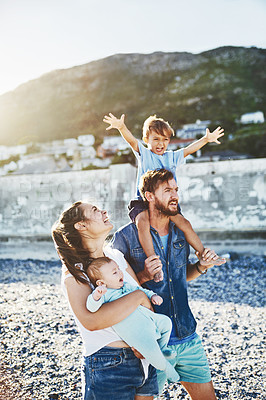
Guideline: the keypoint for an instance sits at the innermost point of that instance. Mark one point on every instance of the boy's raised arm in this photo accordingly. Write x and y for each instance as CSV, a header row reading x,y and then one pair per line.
x,y
208,138
120,125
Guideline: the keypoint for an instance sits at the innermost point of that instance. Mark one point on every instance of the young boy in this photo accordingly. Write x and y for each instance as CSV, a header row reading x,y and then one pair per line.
x,y
144,330
156,134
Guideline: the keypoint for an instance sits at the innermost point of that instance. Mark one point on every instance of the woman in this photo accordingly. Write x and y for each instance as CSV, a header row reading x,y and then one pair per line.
x,y
110,369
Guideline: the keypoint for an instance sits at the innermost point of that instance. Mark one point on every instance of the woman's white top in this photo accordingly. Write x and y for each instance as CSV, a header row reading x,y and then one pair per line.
x,y
95,340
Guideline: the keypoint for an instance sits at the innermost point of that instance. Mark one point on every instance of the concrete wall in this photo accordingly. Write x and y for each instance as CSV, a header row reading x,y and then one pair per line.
x,y
227,195
219,196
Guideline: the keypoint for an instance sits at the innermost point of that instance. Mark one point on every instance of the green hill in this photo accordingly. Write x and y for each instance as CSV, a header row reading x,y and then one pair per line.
x,y
219,85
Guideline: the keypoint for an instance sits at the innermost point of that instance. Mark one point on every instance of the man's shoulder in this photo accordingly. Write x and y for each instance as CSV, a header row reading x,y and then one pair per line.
x,y
125,237
130,227
178,235
176,232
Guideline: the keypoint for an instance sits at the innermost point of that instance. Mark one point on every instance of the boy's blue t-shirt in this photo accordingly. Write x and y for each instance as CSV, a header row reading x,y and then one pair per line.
x,y
148,161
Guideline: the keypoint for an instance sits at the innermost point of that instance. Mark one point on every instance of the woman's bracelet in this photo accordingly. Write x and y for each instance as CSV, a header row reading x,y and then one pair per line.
x,y
199,270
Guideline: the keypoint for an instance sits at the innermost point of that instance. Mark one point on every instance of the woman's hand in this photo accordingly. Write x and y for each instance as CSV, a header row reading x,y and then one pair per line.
x,y
137,353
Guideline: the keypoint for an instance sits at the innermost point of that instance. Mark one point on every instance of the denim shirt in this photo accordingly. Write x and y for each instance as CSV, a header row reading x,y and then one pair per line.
x,y
173,288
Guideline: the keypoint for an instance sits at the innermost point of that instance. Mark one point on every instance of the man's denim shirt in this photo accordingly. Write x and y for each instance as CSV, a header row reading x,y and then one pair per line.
x,y
173,288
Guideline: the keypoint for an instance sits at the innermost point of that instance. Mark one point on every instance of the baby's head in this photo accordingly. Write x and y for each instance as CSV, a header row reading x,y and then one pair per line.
x,y
156,134
104,271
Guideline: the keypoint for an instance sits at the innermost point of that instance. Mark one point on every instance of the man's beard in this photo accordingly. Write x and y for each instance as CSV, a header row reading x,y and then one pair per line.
x,y
164,210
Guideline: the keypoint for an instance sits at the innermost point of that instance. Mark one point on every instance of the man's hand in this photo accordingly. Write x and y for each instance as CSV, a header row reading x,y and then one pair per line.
x,y
209,258
155,299
114,122
152,266
215,135
99,292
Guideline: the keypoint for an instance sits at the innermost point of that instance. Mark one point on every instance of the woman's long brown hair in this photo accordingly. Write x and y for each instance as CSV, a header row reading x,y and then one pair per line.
x,y
68,242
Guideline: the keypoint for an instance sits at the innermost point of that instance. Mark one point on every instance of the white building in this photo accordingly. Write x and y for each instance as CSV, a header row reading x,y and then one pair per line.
x,y
191,131
252,118
86,140
59,147
111,145
115,141
11,167
88,152
7,151
70,142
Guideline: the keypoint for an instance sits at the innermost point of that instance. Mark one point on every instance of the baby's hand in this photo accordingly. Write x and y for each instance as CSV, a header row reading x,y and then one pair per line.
x,y
99,292
155,299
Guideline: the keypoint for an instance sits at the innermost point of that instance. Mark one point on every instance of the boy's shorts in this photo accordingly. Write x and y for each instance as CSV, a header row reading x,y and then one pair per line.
x,y
190,363
136,206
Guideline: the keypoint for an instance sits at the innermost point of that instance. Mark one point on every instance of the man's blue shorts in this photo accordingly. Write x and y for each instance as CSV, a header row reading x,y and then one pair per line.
x,y
116,373
190,362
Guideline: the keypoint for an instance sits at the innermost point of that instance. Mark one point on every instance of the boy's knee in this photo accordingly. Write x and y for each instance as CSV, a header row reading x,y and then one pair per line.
x,y
142,219
186,224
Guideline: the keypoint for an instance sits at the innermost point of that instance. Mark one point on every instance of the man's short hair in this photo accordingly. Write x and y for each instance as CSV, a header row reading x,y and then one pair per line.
x,y
150,181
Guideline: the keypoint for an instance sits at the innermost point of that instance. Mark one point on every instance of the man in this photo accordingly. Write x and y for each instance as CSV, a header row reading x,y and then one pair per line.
x,y
159,189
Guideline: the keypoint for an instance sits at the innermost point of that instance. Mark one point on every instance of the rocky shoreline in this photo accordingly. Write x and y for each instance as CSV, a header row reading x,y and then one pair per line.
x,y
41,348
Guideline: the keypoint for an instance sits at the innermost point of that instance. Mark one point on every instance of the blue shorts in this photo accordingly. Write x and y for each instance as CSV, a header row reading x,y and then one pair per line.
x,y
116,373
190,362
135,207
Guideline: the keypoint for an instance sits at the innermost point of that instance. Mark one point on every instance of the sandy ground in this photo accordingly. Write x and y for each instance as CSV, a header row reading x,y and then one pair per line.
x,y
41,348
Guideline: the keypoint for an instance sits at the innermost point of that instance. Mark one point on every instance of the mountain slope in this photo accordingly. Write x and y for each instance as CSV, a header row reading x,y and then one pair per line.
x,y
219,85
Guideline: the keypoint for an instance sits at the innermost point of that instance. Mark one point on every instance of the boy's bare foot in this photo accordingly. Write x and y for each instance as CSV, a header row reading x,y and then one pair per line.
x,y
158,277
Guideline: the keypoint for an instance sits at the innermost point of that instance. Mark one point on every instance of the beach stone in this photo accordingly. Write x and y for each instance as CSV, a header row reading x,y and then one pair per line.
x,y
41,349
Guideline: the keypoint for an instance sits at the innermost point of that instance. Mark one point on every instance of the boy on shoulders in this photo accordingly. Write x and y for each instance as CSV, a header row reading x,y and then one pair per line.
x,y
157,134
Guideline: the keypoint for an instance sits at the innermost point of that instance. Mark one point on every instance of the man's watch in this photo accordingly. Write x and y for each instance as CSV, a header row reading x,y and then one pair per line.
x,y
199,270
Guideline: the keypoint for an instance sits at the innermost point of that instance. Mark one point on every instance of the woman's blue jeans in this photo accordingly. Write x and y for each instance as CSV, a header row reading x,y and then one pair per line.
x,y
116,373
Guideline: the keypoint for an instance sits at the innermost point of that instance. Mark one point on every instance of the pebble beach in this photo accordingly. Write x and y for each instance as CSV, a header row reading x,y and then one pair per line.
x,y
41,348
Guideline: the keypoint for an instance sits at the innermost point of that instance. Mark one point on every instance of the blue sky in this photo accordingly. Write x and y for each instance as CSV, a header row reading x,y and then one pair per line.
x,y
38,36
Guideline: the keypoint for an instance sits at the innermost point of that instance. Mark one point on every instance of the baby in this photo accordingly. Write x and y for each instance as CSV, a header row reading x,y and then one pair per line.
x,y
144,330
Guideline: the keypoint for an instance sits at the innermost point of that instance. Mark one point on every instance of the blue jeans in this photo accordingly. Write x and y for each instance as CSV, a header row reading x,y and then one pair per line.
x,y
116,373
